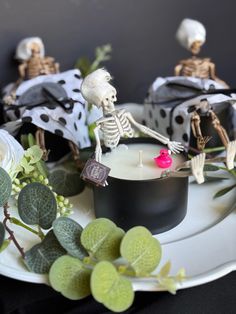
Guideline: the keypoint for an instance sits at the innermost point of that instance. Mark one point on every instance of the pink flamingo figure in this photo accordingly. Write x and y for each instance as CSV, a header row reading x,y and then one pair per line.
x,y
163,160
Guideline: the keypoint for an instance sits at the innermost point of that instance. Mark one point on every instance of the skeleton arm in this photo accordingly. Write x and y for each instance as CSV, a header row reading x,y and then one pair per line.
x,y
98,149
175,147
22,70
178,69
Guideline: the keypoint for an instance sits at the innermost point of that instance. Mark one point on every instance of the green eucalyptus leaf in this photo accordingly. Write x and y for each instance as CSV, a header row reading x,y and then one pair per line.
x,y
41,256
5,187
210,168
37,205
169,284
27,167
24,141
68,233
31,140
42,168
2,233
165,270
224,191
66,183
68,276
4,245
35,153
102,238
111,289
141,250
83,64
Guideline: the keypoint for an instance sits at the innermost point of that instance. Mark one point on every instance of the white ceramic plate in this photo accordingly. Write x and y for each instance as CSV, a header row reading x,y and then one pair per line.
x,y
203,243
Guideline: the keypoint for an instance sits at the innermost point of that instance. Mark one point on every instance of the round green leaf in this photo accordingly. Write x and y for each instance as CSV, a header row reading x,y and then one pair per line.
x,y
102,239
41,256
111,289
141,250
68,276
37,205
2,233
5,187
66,183
68,233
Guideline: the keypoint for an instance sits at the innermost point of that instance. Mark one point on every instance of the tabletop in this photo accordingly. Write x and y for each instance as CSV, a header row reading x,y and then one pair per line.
x,y
217,297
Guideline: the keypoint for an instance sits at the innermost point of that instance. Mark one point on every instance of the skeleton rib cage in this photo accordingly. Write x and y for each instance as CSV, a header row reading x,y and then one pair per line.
x,y
115,126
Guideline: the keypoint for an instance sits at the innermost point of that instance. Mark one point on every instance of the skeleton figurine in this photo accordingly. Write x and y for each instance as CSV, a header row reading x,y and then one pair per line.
x,y
196,164
205,109
115,123
30,52
191,35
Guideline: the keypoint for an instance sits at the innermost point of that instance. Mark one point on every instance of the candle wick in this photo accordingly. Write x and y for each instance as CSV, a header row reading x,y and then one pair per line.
x,y
140,159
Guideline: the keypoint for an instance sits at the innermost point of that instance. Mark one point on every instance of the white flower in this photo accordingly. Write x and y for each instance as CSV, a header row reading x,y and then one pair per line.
x,y
11,153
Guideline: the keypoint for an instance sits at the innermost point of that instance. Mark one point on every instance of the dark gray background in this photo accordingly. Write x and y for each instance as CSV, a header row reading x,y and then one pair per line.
x,y
142,34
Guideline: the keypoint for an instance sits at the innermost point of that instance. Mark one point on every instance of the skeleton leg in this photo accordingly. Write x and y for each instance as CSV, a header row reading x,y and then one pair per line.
x,y
40,140
195,125
197,166
175,147
230,154
219,128
75,153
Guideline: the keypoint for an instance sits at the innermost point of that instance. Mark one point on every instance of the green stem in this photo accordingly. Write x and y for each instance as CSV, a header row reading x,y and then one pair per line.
x,y
40,233
21,224
214,149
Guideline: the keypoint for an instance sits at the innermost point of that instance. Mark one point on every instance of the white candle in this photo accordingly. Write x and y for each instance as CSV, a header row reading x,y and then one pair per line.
x,y
124,161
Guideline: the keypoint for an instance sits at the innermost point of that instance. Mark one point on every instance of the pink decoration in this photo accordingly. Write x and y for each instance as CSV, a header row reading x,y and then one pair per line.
x,y
163,160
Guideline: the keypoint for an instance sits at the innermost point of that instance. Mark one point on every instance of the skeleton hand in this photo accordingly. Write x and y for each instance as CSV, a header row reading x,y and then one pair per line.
x,y
175,147
230,154
197,165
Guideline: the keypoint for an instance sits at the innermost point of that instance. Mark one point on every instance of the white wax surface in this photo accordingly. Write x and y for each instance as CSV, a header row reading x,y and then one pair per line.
x,y
124,159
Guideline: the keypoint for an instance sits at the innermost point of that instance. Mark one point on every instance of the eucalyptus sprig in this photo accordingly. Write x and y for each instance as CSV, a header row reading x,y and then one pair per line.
x,y
101,260
102,54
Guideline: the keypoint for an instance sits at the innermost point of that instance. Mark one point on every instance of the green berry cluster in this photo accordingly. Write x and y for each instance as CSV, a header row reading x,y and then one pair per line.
x,y
64,207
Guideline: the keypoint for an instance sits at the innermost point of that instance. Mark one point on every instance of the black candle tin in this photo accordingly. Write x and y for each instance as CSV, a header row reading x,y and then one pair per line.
x,y
158,204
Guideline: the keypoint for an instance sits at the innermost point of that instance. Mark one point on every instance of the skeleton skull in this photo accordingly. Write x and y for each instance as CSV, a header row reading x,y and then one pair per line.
x,y
191,35
27,45
98,91
109,99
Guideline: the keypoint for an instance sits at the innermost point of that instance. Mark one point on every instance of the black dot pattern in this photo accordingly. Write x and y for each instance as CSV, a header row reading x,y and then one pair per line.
x,y
179,119
163,113
58,132
26,119
80,115
75,126
61,82
62,120
44,117
51,106
77,76
185,137
169,131
76,90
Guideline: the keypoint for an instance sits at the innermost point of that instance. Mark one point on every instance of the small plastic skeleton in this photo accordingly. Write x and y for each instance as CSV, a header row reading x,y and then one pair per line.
x,y
204,108
115,123
191,35
197,163
30,52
